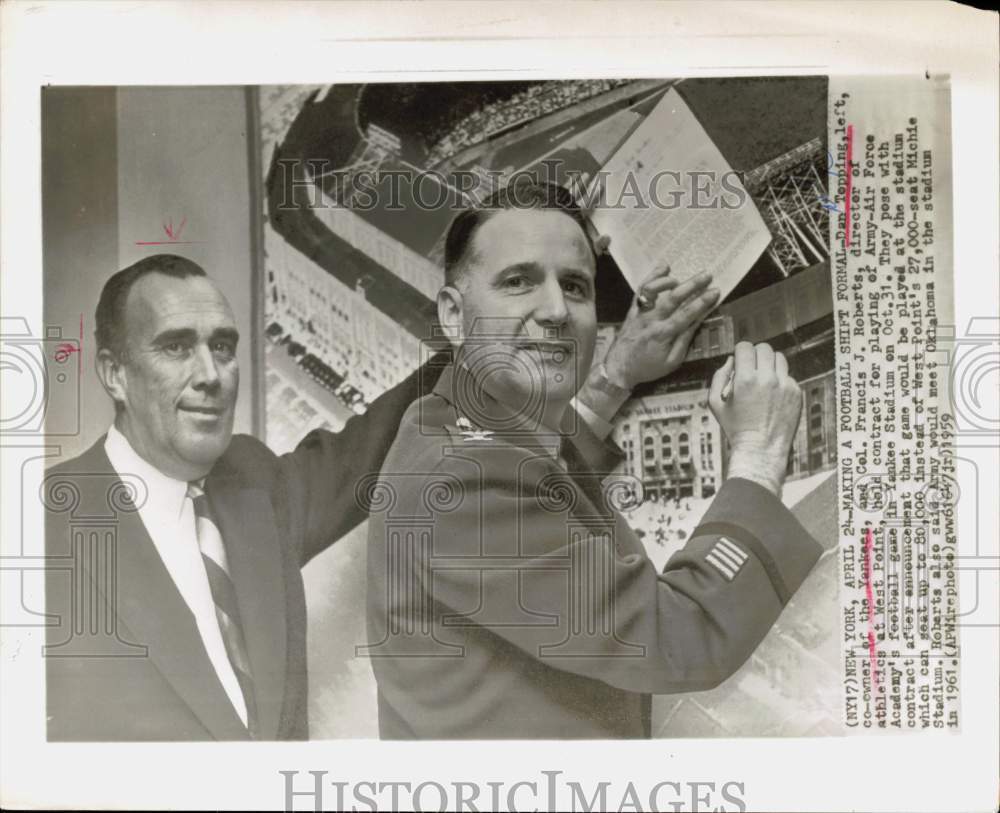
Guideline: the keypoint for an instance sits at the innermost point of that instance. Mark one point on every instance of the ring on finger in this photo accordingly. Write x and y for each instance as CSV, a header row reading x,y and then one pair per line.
x,y
644,301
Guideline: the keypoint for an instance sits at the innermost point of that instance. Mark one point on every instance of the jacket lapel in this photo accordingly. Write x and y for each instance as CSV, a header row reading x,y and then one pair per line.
x,y
253,548
148,603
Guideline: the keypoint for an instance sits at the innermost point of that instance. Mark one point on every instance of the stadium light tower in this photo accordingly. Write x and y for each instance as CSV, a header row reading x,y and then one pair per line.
x,y
792,196
376,148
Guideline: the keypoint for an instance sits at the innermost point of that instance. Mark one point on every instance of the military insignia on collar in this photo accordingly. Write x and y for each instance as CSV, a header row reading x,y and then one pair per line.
x,y
469,432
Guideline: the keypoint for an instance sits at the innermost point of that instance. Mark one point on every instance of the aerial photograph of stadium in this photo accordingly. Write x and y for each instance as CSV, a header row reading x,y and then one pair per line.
x,y
360,183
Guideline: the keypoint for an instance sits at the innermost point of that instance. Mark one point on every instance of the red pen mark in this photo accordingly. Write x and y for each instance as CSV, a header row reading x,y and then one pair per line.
x,y
174,236
869,594
169,229
64,351
847,187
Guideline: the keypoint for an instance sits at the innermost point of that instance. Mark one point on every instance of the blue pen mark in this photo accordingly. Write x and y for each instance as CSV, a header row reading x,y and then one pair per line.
x,y
828,204
830,164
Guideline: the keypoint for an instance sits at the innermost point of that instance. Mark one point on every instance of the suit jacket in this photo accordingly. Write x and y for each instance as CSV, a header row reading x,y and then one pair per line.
x,y
508,598
124,659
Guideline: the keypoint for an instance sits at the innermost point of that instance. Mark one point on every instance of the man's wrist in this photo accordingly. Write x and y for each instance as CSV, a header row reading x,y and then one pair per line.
x,y
602,395
615,376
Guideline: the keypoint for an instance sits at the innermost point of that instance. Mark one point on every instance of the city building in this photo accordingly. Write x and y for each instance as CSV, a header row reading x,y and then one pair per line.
x,y
672,444
336,322
676,448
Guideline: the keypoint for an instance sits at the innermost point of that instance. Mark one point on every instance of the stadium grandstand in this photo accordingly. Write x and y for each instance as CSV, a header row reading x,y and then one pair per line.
x,y
445,119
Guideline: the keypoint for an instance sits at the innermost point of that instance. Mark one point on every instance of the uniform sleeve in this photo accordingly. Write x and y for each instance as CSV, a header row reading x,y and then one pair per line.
x,y
319,479
517,549
748,517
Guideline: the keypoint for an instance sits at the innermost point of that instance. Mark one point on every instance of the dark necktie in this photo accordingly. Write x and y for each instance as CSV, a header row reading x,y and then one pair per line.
x,y
213,554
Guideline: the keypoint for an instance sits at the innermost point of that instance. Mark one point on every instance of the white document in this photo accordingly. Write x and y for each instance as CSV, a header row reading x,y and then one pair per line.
x,y
670,197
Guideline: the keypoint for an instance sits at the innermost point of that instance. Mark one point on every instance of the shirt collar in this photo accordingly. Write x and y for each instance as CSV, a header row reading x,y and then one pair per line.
x,y
457,384
164,492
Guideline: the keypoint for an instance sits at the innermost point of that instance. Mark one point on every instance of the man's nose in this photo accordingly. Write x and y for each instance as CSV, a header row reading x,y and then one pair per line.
x,y
551,306
205,373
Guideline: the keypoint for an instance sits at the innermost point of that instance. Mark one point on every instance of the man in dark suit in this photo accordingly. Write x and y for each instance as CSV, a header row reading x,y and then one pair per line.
x,y
507,597
173,582
139,650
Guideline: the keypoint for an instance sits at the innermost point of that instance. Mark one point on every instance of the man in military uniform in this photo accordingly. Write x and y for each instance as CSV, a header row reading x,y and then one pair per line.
x,y
507,597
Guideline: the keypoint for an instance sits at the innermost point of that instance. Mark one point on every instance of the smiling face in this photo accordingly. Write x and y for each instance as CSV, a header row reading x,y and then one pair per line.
x,y
178,381
524,311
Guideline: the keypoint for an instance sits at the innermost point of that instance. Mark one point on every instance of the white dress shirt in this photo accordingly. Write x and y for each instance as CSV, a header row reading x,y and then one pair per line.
x,y
168,515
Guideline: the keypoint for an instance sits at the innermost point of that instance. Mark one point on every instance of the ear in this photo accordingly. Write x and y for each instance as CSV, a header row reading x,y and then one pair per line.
x,y
111,372
450,314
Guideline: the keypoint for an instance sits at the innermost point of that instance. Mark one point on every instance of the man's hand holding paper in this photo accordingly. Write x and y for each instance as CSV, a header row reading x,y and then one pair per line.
x,y
653,343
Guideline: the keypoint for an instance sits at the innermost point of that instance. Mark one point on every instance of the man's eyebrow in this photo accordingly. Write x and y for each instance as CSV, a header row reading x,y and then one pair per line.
x,y
573,271
182,334
528,266
229,333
